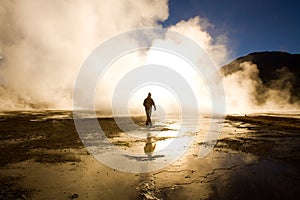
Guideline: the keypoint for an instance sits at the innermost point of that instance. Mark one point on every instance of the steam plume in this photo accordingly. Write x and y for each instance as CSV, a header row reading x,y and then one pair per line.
x,y
44,43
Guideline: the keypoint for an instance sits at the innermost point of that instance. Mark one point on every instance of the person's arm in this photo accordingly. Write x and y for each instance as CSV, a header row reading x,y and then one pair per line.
x,y
154,105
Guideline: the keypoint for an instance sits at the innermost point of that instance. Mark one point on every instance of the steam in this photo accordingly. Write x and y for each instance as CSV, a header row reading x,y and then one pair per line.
x,y
237,98
245,92
196,29
44,43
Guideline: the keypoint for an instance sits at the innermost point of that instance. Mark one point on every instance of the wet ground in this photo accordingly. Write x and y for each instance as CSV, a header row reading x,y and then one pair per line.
x,y
255,157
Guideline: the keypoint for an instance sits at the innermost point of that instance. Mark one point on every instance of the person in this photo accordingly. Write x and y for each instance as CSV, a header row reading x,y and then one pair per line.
x,y
148,103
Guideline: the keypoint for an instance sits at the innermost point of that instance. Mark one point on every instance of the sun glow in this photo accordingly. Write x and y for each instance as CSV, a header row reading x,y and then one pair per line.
x,y
166,102
163,95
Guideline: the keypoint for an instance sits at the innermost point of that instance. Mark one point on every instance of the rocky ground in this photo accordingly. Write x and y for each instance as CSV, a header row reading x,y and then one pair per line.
x,y
42,157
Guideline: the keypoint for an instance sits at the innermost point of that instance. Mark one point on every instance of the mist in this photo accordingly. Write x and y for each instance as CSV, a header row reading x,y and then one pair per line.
x,y
43,44
246,93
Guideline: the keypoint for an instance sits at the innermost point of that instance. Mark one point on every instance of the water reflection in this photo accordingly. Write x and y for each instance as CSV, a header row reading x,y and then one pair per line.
x,y
149,146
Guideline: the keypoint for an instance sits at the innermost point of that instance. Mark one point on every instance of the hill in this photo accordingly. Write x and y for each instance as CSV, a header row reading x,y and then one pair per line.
x,y
276,71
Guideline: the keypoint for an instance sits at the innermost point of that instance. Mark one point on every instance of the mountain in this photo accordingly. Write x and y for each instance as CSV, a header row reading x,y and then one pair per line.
x,y
273,67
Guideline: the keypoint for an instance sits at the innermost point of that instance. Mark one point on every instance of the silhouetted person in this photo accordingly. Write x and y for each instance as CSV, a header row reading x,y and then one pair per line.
x,y
148,103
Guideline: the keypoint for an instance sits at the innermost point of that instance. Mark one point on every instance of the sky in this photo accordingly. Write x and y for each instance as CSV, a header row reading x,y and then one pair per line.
x,y
250,26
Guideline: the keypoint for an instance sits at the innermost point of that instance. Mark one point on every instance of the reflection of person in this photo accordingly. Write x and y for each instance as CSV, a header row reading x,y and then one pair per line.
x,y
148,103
149,146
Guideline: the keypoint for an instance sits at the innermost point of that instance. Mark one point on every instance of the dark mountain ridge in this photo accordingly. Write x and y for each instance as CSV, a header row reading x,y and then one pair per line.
x,y
282,67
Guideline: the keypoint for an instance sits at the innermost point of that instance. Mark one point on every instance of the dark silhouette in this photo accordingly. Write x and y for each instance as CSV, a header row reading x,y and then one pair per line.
x,y
148,103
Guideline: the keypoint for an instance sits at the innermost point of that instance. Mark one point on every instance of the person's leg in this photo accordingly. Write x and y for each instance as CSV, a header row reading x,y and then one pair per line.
x,y
150,111
148,116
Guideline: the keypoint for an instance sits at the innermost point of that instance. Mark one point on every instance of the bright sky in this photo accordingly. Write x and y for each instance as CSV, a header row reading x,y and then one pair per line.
x,y
256,25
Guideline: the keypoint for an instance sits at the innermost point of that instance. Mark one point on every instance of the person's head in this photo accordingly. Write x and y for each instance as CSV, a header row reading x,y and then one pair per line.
x,y
149,94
